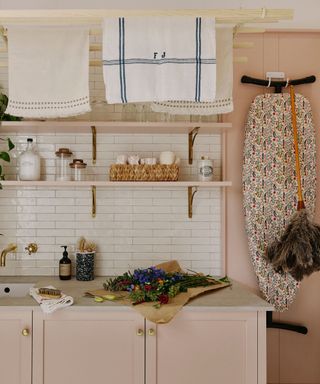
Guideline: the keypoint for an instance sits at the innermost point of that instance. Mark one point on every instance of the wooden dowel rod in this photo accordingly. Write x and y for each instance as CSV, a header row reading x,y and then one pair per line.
x,y
245,44
98,47
98,31
93,14
250,30
98,63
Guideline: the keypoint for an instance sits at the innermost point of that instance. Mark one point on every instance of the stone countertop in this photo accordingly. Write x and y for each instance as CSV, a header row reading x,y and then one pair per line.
x,y
234,298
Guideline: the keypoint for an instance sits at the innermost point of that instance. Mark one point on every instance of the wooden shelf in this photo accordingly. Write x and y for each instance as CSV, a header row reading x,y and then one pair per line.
x,y
132,127
94,127
191,185
107,184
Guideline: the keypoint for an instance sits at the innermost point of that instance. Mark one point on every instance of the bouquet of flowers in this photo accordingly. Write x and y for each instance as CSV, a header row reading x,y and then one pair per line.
x,y
155,285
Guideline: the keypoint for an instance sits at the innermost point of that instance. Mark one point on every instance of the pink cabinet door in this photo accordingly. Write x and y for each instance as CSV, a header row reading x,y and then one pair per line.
x,y
15,347
203,347
88,347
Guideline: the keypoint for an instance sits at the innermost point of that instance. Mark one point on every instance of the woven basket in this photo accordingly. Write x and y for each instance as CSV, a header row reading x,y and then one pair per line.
x,y
158,172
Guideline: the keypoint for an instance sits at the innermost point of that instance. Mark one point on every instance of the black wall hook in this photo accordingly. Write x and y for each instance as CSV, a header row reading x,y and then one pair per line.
x,y
277,84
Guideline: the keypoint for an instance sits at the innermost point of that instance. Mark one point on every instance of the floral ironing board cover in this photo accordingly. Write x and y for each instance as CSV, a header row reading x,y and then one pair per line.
x,y
270,186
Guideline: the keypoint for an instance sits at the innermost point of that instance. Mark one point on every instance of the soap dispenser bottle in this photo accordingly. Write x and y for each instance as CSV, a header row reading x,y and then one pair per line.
x,y
65,265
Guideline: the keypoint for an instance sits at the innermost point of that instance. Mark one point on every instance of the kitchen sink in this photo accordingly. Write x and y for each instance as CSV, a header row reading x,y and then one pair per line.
x,y
15,289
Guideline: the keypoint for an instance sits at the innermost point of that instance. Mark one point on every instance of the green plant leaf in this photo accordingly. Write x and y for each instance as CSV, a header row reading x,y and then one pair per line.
x,y
10,144
7,117
3,104
2,177
5,156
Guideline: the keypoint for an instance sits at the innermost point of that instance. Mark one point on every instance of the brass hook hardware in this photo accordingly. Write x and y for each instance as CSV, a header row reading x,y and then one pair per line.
x,y
94,200
192,136
191,194
31,248
94,144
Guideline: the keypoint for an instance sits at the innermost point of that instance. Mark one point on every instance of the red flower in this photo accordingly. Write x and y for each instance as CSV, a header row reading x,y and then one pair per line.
x,y
147,287
163,299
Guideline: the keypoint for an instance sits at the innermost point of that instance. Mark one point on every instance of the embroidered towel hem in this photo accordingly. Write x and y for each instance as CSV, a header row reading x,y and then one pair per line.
x,y
48,71
159,58
223,102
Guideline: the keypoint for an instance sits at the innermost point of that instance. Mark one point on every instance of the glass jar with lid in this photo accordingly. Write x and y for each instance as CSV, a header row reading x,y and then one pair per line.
x,y
78,170
63,157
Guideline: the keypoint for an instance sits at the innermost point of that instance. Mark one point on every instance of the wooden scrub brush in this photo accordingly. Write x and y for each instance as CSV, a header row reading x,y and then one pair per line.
x,y
49,293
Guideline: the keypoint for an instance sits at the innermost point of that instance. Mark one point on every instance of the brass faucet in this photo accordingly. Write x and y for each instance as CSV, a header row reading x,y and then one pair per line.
x,y
10,248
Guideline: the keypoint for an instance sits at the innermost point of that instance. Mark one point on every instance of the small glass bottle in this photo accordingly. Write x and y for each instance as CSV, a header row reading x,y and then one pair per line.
x,y
63,157
29,163
78,170
65,265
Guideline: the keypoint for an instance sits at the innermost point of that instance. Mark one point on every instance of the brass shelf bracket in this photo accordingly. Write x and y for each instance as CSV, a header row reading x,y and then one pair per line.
x,y
94,144
94,201
191,192
192,136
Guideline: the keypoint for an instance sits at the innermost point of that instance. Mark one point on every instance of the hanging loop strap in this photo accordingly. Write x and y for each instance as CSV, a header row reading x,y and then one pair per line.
x,y
296,147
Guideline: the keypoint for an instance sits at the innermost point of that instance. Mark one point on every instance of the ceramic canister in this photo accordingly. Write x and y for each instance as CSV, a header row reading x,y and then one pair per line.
x,y
85,266
205,169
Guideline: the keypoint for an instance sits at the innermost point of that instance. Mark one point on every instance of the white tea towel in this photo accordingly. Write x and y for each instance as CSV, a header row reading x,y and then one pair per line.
x,y
223,102
159,58
48,71
51,305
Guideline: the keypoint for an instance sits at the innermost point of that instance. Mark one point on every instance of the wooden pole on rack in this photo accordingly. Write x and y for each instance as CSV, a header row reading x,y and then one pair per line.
x,y
96,15
98,63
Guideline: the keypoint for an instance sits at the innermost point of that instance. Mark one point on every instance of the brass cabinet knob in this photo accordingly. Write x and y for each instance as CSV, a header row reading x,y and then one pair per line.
x,y
25,332
151,332
140,332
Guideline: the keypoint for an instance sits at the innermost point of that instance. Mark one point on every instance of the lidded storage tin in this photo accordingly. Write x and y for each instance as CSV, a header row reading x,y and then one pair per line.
x,y
63,157
78,170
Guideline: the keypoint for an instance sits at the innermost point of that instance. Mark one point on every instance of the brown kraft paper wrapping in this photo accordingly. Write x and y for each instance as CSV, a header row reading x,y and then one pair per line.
x,y
166,312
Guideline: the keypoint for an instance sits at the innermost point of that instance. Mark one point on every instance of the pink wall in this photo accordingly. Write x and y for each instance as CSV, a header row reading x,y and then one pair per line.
x,y
292,358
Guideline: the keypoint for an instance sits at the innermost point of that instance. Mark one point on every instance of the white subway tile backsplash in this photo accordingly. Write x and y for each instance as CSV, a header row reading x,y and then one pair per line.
x,y
134,227
8,225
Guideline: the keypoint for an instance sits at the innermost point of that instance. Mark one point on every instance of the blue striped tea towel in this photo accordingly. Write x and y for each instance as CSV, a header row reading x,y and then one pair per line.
x,y
159,58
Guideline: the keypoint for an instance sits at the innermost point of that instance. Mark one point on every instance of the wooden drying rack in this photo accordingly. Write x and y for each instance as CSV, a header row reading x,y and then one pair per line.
x,y
94,17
